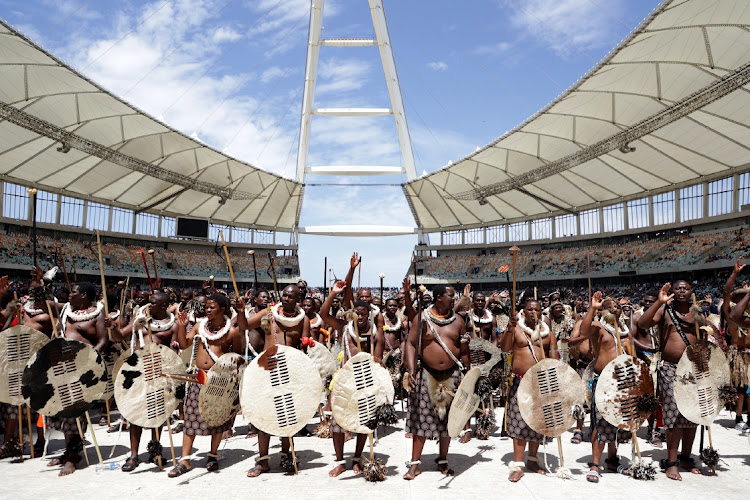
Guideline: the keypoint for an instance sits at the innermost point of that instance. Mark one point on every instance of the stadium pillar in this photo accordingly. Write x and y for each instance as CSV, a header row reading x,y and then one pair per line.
x,y
735,193
625,218
650,210
705,199
677,215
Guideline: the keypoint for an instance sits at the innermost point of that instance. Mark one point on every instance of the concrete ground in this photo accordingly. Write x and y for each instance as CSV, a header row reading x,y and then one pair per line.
x,y
480,466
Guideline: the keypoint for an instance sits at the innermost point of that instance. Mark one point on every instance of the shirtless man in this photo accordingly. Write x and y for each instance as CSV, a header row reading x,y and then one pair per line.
x,y
581,355
482,319
394,326
647,349
288,326
561,327
163,332
523,338
81,319
602,335
215,336
35,315
672,346
372,341
432,360
738,351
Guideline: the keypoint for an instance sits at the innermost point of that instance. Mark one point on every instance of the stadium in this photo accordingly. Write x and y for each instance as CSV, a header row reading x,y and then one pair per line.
x,y
634,175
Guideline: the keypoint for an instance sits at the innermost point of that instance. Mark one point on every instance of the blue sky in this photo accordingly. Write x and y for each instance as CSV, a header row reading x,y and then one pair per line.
x,y
231,72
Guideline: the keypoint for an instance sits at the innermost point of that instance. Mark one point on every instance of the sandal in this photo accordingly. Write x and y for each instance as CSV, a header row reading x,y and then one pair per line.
x,y
115,427
593,476
655,441
130,464
178,428
212,463
577,437
613,464
179,470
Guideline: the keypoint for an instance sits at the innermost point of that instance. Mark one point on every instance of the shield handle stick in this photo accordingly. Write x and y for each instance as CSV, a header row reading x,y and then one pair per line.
x,y
708,427
93,438
20,431
171,443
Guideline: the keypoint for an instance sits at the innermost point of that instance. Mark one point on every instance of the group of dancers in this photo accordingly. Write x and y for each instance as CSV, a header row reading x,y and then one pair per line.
x,y
454,356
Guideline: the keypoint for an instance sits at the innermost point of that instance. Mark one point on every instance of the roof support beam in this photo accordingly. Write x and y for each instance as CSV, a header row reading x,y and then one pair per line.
x,y
720,88
70,140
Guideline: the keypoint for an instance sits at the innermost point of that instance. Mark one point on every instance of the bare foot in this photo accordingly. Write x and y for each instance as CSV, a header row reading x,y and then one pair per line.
x,y
227,434
336,471
447,471
68,469
251,434
689,464
534,467
409,435
515,476
674,473
356,467
258,470
54,462
466,437
412,472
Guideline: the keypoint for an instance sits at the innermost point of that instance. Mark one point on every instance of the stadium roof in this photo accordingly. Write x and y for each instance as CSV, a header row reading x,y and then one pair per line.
x,y
63,133
669,90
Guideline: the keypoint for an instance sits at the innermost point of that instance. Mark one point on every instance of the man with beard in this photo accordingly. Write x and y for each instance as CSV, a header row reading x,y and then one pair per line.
x,y
288,327
372,341
526,338
677,332
432,359
163,329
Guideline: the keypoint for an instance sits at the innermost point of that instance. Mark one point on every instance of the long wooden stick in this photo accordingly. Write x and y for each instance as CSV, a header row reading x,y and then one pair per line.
x,y
156,437
275,283
93,438
28,424
229,264
514,249
104,283
711,445
559,450
294,456
65,273
20,431
171,443
372,449
152,253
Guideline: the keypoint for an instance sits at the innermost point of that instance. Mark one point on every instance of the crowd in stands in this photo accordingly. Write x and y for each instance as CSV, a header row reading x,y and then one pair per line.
x,y
199,263
654,254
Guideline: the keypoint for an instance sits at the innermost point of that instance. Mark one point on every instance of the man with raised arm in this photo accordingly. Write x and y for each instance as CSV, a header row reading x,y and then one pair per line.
x,y
525,338
371,340
677,332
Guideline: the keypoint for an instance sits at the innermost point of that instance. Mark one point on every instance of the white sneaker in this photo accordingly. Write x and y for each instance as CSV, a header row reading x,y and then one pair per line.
x,y
741,426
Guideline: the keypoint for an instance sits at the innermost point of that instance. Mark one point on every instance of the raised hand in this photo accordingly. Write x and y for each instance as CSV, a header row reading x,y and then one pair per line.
x,y
4,284
355,260
182,318
406,285
339,287
596,300
664,295
467,290
738,267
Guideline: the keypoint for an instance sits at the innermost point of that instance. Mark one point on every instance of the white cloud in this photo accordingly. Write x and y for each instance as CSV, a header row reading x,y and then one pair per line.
x,y
493,50
437,66
567,26
270,74
342,75
225,34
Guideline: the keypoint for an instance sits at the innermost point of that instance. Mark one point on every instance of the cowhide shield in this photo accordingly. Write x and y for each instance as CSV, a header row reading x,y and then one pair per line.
x,y
546,395
322,359
144,397
64,378
703,369
280,391
588,375
186,355
623,381
360,387
110,360
219,399
478,350
465,402
17,345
